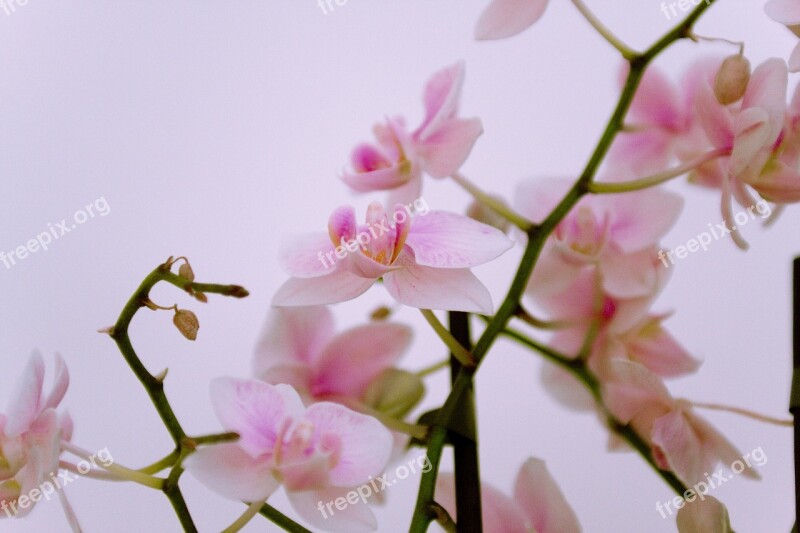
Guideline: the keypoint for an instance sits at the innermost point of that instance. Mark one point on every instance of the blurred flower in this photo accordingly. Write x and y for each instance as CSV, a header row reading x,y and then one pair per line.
x,y
317,453
704,516
423,262
31,433
787,12
506,18
681,441
538,504
299,348
617,234
438,147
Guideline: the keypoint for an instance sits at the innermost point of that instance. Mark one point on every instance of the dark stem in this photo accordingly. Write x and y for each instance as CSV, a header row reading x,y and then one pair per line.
x,y
281,520
794,399
465,447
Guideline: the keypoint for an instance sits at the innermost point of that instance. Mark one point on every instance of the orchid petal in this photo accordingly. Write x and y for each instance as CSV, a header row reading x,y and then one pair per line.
x,y
354,358
338,286
784,11
25,404
505,18
537,493
60,384
231,472
293,335
354,518
447,289
706,515
307,256
446,149
364,444
442,93
446,240
255,410
500,513
681,447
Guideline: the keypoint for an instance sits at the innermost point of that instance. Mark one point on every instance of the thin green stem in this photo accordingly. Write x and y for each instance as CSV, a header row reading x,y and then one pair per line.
x,y
656,179
281,520
627,52
458,351
252,510
154,385
427,371
581,371
161,464
492,203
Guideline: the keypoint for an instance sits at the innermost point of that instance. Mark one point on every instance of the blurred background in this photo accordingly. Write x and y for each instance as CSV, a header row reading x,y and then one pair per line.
x,y
215,130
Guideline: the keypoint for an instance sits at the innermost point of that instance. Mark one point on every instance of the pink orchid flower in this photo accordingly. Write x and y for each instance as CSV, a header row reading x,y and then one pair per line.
x,y
423,261
704,516
749,131
317,453
681,441
538,504
661,122
787,12
617,234
438,147
299,348
506,18
625,330
30,435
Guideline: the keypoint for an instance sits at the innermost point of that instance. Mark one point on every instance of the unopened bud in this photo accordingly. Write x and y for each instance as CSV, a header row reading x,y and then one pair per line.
x,y
394,392
185,271
732,79
481,213
200,297
381,313
187,323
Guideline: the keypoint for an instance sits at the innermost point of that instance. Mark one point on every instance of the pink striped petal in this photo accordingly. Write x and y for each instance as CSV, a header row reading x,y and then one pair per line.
x,y
640,219
505,18
319,509
680,446
257,411
230,472
338,286
306,256
715,118
537,493
447,289
446,240
362,444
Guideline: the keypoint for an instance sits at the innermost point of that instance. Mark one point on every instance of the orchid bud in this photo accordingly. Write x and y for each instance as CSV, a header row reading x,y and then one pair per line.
x,y
394,392
481,213
381,313
732,79
187,323
185,271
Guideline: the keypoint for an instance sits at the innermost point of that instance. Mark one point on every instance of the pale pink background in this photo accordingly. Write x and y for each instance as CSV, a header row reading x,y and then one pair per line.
x,y
214,129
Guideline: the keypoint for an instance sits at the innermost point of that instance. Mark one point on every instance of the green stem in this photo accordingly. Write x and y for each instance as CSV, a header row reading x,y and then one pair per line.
x,y
458,351
536,239
581,371
154,386
281,520
656,179
627,52
493,203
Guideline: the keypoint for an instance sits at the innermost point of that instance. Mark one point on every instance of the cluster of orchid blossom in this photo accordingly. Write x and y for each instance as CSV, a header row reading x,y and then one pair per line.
x,y
325,412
